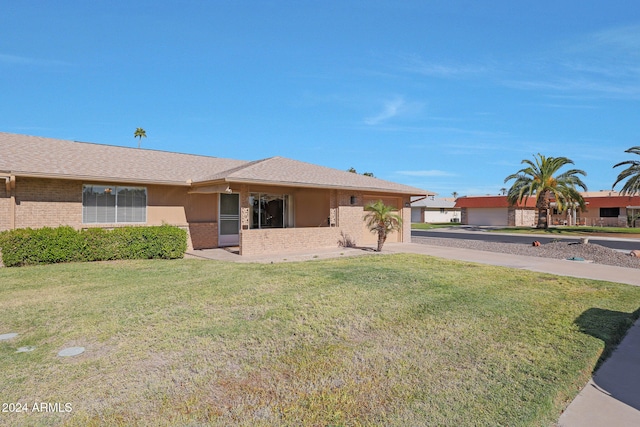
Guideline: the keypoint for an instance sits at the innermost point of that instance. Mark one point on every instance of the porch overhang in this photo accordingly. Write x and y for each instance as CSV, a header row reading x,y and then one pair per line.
x,y
230,185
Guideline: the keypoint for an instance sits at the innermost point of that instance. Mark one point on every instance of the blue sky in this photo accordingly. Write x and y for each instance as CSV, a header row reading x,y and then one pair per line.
x,y
442,95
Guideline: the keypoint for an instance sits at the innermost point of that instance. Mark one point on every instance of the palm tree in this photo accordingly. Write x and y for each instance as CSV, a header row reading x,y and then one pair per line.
x,y
140,133
382,220
503,191
455,194
632,186
539,179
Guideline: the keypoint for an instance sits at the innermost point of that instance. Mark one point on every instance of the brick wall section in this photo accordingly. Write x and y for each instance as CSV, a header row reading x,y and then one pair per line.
x,y
204,235
48,203
521,217
54,202
351,217
263,241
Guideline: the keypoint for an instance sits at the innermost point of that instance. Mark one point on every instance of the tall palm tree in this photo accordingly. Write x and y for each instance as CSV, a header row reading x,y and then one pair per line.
x,y
632,186
382,220
140,133
541,179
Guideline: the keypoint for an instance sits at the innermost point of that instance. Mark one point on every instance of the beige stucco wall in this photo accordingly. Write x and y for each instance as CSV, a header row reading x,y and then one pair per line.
x,y
311,207
370,238
591,217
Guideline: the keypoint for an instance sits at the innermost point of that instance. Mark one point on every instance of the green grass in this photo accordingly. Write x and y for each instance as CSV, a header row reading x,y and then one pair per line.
x,y
432,225
569,230
375,340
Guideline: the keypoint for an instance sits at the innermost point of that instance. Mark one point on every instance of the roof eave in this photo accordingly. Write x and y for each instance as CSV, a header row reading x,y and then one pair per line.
x,y
311,185
97,178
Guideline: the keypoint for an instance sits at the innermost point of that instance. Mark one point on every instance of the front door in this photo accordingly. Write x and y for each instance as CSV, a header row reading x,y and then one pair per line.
x,y
229,220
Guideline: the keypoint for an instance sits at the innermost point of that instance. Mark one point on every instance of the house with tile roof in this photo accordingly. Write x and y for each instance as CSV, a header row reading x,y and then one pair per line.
x,y
603,209
273,204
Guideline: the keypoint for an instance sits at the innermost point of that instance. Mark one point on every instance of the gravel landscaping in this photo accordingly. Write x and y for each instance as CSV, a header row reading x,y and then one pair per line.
x,y
559,250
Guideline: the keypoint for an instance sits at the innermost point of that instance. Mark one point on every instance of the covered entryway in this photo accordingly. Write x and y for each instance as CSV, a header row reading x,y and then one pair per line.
x,y
229,220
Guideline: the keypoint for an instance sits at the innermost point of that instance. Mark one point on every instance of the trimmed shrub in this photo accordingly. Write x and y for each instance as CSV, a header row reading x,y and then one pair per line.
x,y
65,244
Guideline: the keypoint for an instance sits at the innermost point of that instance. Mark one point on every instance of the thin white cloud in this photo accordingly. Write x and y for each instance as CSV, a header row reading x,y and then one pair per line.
x,y
604,64
391,109
415,64
23,60
430,173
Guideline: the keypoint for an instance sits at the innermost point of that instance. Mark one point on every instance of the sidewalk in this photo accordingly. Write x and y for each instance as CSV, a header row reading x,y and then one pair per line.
x,y
612,396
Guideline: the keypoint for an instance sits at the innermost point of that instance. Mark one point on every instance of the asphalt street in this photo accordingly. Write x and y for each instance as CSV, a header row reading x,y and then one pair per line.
x,y
488,236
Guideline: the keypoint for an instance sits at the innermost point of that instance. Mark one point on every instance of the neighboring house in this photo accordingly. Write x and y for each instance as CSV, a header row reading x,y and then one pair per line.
x,y
603,208
495,210
264,206
432,209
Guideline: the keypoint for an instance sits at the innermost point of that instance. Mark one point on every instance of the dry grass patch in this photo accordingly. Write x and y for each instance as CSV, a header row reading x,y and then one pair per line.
x,y
384,340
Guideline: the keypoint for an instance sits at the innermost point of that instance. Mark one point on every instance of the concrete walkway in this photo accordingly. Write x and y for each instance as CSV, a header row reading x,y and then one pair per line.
x,y
612,396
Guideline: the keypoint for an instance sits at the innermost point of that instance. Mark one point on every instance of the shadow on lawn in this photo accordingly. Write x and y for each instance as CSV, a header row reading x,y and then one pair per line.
x,y
617,372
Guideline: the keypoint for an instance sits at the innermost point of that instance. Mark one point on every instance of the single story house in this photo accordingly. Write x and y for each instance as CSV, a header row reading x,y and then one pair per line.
x,y
496,211
262,206
603,208
432,209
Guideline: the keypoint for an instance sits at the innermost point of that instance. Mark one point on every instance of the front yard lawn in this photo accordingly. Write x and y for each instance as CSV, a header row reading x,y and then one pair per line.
x,y
376,340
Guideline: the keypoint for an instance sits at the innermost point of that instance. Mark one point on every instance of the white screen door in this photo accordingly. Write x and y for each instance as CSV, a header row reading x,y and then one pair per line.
x,y
229,220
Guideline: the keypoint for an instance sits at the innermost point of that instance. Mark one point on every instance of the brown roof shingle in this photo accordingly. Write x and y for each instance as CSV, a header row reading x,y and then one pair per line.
x,y
37,156
283,171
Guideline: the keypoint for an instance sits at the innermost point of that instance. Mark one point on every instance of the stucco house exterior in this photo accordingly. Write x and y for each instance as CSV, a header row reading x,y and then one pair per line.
x,y
434,209
603,208
263,206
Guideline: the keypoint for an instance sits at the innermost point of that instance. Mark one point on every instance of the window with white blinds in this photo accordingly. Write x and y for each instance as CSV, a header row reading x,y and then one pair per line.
x,y
113,204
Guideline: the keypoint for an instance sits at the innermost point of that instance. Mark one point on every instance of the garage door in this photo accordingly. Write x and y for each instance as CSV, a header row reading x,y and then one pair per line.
x,y
416,215
369,238
488,216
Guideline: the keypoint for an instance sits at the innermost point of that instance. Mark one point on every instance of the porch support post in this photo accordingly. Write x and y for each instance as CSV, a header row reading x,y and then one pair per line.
x,y
10,183
333,208
245,208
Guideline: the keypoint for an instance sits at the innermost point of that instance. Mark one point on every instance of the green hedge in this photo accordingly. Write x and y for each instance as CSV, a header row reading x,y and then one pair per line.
x,y
65,244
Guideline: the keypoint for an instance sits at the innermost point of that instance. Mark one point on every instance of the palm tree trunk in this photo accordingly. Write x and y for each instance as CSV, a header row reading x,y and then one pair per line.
x,y
542,204
381,238
543,221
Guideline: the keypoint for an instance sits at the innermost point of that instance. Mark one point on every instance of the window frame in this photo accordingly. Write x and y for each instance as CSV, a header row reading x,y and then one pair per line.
x,y
287,211
122,210
608,212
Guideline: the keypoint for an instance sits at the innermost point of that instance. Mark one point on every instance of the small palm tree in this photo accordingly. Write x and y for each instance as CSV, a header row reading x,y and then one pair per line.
x,y
455,194
382,220
540,179
140,133
632,186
